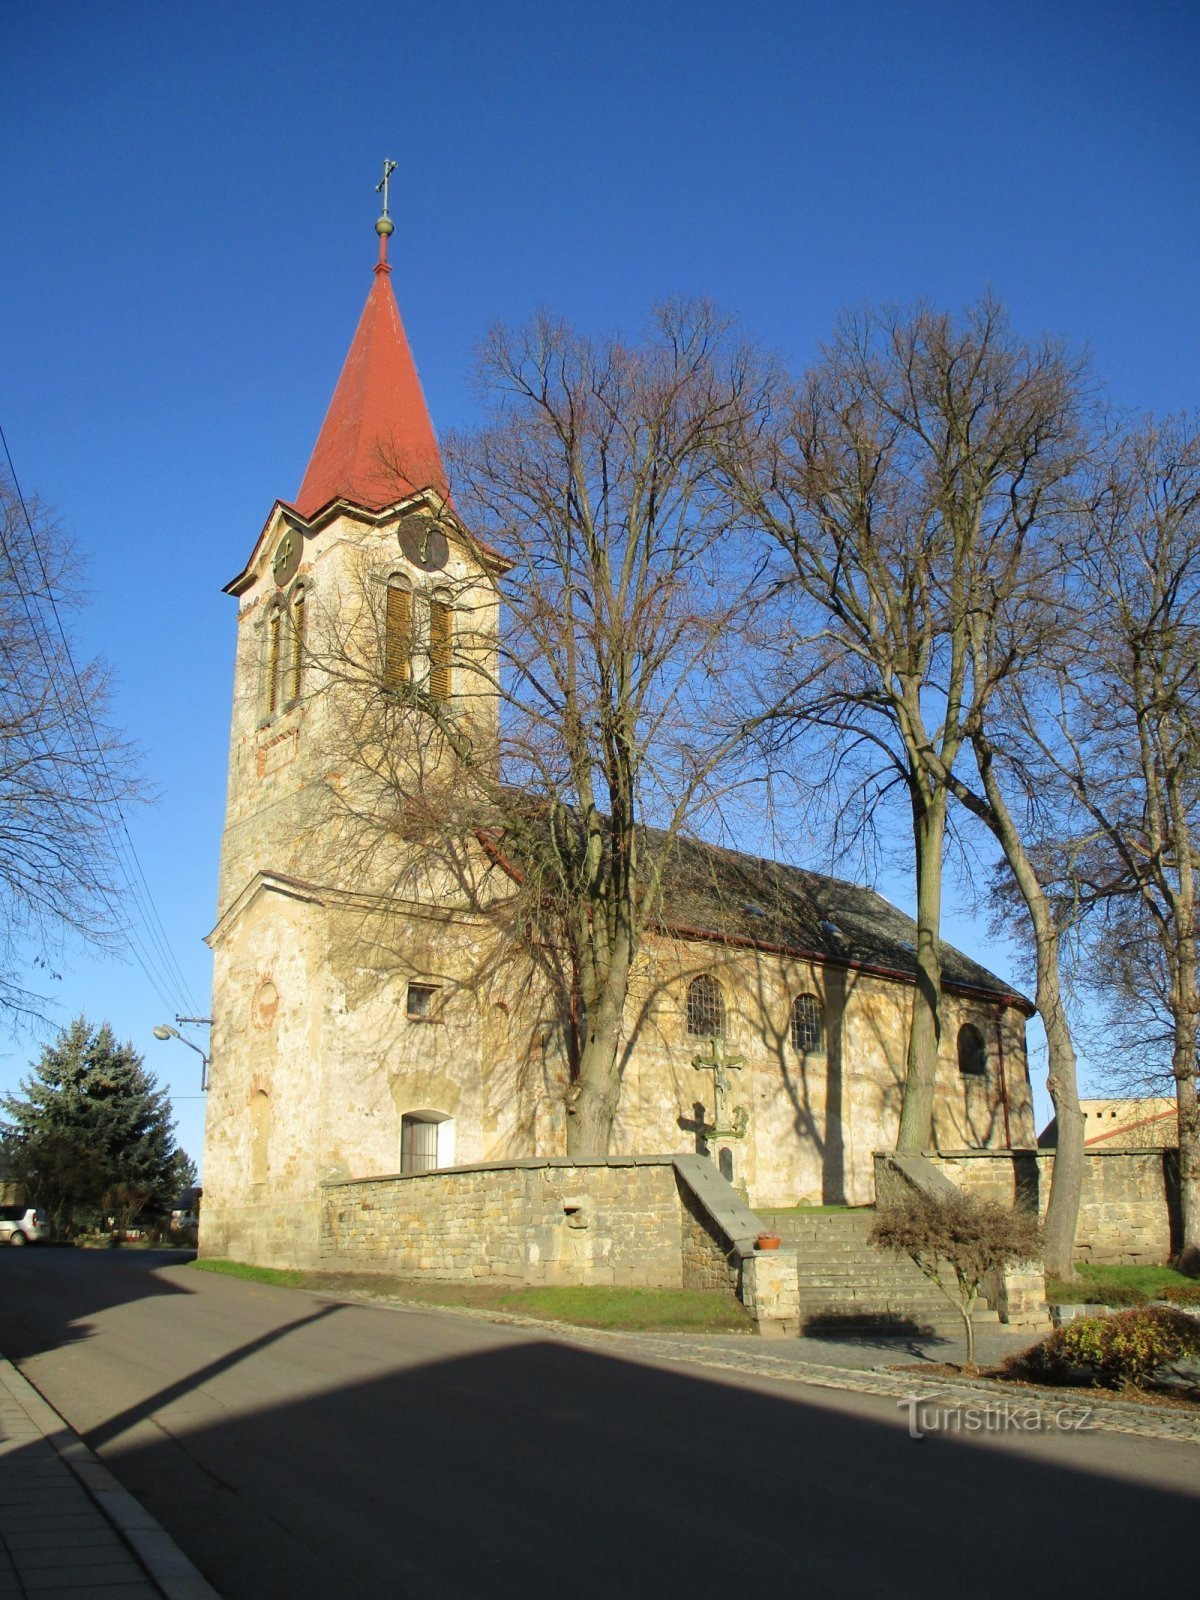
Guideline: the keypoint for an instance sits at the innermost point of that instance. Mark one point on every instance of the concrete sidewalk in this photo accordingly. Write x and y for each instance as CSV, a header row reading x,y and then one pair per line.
x,y
68,1530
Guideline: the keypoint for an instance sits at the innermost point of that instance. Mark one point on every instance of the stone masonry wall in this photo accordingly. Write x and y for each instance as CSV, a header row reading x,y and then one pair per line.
x,y
706,1264
1129,1196
526,1222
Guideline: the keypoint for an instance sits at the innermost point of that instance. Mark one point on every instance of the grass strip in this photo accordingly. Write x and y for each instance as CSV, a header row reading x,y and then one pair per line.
x,y
584,1306
283,1279
1113,1285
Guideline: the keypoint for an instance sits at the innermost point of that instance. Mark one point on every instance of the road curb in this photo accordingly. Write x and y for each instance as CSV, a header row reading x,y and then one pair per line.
x,y
162,1558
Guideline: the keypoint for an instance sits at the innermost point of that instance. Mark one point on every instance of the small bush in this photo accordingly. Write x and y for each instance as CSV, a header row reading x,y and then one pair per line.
x,y
971,1237
1179,1294
1121,1351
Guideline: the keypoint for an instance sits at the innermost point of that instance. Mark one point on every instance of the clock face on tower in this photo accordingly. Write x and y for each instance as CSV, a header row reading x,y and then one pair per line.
x,y
287,556
424,543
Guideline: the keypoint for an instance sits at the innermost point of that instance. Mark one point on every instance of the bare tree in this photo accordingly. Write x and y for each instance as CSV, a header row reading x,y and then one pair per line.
x,y
63,771
1124,735
592,500
908,486
1012,641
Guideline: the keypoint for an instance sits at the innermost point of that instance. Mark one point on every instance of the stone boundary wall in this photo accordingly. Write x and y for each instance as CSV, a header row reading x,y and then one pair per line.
x,y
1129,1210
655,1222
708,1261
520,1222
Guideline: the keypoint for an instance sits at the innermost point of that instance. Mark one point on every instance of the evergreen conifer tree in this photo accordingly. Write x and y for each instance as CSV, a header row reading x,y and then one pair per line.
x,y
91,1133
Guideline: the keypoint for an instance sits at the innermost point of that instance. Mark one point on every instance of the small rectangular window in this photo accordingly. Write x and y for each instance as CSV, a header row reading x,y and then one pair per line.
x,y
420,1002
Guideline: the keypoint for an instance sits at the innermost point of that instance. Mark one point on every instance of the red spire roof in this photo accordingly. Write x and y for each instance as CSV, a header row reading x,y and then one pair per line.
x,y
377,444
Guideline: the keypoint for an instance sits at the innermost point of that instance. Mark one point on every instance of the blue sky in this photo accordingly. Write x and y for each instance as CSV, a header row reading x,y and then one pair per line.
x,y
188,209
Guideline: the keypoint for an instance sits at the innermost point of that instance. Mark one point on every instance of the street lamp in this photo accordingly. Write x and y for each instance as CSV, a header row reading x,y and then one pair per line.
x,y
165,1031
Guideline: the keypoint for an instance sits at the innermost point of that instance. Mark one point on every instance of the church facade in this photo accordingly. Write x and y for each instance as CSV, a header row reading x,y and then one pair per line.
x,y
373,1011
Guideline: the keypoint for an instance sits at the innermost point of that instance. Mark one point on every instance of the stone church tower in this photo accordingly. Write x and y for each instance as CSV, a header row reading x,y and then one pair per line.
x,y
370,1015
366,585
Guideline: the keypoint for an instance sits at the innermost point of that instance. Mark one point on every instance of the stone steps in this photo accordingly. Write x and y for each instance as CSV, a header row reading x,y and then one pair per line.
x,y
848,1284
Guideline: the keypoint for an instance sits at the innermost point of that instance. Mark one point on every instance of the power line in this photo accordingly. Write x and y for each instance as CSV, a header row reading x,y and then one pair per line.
x,y
159,951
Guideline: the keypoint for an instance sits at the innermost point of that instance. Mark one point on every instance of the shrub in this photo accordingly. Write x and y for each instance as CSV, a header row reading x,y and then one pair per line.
x,y
1124,1350
1179,1294
970,1236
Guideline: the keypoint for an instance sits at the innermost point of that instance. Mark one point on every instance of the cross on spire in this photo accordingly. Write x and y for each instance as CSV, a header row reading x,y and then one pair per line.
x,y
382,186
385,227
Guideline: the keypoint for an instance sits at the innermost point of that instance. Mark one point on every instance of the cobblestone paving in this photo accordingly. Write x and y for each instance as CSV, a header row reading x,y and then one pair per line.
x,y
1042,1408
860,1366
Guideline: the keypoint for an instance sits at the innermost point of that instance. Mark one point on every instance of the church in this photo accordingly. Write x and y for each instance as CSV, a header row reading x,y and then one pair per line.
x,y
374,1012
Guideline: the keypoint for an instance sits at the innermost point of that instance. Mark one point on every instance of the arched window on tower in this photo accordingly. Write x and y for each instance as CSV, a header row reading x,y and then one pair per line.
x,y
295,676
283,666
274,656
972,1052
705,1007
441,647
808,1023
397,638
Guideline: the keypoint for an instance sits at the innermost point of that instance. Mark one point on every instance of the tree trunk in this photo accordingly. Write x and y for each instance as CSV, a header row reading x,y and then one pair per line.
x,y
1066,1186
1189,1144
916,1111
1183,1055
593,1104
590,1116
968,1316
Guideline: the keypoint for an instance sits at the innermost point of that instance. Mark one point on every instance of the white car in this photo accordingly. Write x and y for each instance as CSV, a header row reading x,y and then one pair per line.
x,y
21,1225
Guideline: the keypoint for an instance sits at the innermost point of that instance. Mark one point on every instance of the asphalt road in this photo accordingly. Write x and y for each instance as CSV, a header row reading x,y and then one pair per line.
x,y
298,1446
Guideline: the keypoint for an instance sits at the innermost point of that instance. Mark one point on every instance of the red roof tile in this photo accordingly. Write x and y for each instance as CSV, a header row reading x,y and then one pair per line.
x,y
377,443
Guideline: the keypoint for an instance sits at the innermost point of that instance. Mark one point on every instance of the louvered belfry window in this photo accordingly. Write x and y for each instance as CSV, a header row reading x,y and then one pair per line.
x,y
296,665
441,646
274,629
397,647
705,1007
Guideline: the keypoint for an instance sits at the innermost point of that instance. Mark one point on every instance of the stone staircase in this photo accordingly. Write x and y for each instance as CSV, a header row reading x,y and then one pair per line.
x,y
848,1284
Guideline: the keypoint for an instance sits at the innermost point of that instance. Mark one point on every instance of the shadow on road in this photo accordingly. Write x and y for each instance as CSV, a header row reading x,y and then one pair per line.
x,y
302,1448
48,1296
542,1468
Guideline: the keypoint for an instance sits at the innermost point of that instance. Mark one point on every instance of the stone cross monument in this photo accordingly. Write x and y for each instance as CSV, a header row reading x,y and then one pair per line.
x,y
720,1064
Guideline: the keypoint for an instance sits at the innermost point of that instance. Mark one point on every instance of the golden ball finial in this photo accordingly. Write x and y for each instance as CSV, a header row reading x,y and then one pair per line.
x,y
385,227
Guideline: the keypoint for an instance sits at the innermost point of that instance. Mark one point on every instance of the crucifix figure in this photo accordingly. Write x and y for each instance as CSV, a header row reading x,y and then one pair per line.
x,y
382,186
720,1064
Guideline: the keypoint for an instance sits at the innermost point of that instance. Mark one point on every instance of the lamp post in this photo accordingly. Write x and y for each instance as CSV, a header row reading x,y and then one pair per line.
x,y
165,1031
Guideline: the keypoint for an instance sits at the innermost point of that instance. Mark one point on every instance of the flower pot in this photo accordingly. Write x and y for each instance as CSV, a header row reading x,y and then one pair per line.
x,y
767,1241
